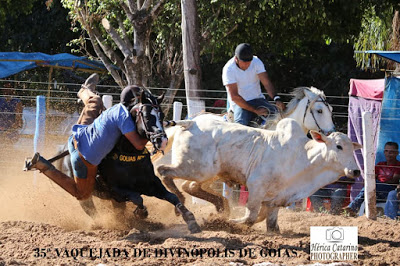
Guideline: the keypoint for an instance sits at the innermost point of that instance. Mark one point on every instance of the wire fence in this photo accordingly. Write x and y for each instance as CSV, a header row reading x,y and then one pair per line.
x,y
63,111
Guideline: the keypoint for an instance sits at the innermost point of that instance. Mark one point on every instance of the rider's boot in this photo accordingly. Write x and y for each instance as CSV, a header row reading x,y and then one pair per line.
x,y
92,101
45,167
89,85
189,218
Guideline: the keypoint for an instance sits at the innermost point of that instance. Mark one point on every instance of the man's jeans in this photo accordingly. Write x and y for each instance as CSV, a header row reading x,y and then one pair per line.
x,y
244,117
382,191
392,205
337,197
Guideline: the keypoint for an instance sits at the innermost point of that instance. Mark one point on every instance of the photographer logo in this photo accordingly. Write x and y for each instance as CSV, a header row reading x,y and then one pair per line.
x,y
333,243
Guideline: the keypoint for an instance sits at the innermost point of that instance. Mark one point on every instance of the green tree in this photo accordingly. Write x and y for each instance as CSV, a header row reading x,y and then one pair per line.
x,y
13,8
37,30
375,34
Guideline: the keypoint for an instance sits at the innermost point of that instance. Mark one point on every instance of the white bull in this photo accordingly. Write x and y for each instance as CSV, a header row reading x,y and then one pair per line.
x,y
278,167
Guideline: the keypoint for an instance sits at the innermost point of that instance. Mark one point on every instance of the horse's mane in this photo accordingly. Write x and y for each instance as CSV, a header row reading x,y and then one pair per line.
x,y
297,95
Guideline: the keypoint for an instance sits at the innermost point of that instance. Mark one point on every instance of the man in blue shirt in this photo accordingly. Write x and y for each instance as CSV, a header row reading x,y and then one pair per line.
x,y
90,143
10,114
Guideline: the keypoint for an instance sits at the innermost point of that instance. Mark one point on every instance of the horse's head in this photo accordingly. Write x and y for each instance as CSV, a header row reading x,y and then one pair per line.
x,y
149,119
318,113
311,110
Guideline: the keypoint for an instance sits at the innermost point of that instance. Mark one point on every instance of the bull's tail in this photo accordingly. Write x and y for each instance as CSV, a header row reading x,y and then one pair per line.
x,y
185,123
171,131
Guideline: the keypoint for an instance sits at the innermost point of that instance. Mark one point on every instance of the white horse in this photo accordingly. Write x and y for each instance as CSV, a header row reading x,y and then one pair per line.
x,y
308,107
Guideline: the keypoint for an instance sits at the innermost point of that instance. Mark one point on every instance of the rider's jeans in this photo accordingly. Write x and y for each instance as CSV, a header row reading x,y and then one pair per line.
x,y
244,117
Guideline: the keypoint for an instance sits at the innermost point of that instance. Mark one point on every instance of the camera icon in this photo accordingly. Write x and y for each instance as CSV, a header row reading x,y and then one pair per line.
x,y
335,234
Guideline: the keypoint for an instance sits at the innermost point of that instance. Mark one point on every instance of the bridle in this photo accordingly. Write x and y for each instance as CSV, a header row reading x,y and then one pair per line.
x,y
150,135
309,107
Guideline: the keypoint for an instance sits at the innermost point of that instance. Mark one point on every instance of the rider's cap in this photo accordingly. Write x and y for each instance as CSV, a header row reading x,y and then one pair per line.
x,y
129,95
244,52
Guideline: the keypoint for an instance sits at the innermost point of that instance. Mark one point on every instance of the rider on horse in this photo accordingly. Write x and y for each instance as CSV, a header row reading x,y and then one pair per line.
x,y
91,140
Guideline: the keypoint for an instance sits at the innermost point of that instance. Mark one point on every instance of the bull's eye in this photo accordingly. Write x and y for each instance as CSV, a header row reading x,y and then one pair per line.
x,y
319,111
339,147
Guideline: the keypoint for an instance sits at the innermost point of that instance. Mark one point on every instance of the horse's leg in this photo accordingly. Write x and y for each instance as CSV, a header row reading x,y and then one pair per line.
x,y
188,217
88,207
119,208
141,211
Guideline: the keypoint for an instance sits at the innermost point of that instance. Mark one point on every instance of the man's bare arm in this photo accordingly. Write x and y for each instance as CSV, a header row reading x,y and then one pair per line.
x,y
138,142
234,92
270,89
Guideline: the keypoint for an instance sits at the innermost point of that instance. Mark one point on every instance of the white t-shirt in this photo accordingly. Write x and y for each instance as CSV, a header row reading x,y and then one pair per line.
x,y
247,80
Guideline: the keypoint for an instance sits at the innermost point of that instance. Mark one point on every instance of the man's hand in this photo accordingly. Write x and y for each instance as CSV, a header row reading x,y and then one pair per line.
x,y
280,105
262,111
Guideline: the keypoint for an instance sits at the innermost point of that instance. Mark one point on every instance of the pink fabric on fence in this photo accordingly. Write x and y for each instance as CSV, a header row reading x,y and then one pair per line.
x,y
367,88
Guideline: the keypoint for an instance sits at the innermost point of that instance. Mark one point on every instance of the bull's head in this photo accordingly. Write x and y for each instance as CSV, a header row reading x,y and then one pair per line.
x,y
339,152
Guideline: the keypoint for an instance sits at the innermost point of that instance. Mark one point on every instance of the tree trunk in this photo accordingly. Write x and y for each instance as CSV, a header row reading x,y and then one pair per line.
x,y
191,55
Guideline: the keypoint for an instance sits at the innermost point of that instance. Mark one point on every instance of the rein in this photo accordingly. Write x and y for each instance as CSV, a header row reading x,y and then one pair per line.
x,y
309,106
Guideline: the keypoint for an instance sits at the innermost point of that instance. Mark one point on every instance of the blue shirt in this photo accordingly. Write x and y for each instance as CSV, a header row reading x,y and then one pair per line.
x,y
96,140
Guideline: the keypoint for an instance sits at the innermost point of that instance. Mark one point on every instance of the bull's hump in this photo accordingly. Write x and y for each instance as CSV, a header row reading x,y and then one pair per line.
x,y
289,126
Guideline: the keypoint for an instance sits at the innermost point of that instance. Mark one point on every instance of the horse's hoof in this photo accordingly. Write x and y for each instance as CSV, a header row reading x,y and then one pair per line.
x,y
141,213
194,227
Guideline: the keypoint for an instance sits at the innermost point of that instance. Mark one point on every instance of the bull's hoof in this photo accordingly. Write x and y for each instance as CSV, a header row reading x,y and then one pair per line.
x,y
141,213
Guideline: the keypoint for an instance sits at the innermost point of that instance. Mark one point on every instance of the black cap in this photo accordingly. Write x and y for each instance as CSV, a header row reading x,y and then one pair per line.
x,y
129,94
244,52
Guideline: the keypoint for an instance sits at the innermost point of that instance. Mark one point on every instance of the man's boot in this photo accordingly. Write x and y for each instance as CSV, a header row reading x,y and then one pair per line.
x,y
92,101
45,167
91,82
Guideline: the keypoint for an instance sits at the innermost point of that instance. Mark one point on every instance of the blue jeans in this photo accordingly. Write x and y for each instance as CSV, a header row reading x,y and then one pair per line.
x,y
78,167
244,117
337,197
382,191
392,205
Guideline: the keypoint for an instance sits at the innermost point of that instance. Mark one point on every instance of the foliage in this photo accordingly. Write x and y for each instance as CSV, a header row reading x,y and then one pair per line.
x,y
374,35
14,8
32,33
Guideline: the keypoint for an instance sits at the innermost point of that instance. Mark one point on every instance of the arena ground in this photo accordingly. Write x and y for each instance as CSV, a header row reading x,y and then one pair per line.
x,y
40,224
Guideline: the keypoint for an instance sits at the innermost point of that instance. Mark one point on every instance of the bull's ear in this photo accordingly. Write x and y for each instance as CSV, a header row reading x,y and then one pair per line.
x,y
319,137
161,98
357,146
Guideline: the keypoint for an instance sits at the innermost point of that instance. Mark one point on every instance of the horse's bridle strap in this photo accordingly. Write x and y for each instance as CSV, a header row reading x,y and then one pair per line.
x,y
309,106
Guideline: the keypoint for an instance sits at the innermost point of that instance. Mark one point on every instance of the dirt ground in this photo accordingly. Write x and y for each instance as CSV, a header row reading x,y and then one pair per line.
x,y
40,224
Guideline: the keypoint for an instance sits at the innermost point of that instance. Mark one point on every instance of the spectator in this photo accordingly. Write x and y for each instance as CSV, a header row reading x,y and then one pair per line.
x,y
387,176
392,203
10,113
241,77
337,192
